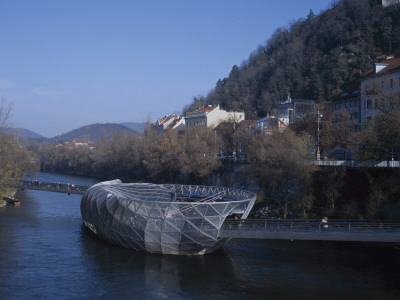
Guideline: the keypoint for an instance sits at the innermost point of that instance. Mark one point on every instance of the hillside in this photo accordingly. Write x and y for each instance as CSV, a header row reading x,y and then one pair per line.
x,y
92,132
312,58
25,133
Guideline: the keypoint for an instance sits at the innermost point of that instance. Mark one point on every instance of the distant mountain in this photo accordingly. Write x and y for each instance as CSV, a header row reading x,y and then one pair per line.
x,y
25,133
139,127
92,132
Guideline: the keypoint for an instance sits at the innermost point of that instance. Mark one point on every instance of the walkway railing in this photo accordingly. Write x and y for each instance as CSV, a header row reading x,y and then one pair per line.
x,y
67,188
358,164
381,231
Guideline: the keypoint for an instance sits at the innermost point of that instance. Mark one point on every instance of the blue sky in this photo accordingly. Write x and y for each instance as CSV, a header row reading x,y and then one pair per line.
x,y
70,63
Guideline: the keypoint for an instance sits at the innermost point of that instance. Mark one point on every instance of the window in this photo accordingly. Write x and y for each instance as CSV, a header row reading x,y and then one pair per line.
x,y
369,104
383,84
376,104
356,115
337,106
391,83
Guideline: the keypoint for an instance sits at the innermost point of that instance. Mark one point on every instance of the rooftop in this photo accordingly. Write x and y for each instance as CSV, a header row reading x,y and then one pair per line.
x,y
388,65
352,91
204,109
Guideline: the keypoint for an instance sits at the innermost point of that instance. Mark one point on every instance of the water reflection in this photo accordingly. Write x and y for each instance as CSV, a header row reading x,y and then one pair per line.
x,y
279,269
159,276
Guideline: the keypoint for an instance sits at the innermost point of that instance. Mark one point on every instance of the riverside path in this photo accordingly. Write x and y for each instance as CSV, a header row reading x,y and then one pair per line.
x,y
335,230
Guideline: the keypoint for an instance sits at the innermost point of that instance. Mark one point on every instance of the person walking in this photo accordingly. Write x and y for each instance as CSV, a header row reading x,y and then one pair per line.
x,y
324,223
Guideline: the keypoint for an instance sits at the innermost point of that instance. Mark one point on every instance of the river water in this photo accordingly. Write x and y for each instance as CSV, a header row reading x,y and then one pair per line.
x,y
47,253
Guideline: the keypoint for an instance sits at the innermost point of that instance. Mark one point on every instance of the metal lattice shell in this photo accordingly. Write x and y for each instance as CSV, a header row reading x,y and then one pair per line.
x,y
167,219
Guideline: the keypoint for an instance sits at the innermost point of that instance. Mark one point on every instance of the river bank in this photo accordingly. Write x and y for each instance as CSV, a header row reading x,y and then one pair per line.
x,y
11,194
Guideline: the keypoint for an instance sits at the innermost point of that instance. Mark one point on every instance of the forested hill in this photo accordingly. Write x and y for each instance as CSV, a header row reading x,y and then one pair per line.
x,y
93,132
312,58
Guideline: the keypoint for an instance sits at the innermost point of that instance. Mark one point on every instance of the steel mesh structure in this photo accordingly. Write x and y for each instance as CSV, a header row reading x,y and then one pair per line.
x,y
167,219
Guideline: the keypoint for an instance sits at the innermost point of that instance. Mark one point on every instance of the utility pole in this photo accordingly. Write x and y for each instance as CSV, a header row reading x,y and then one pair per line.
x,y
215,143
318,152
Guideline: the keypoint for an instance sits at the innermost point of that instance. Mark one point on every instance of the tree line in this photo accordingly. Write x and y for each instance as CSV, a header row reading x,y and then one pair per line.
x,y
158,157
278,162
275,160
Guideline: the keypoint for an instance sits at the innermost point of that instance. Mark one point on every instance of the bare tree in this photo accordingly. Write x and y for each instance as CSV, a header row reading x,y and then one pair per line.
x,y
15,161
163,155
199,157
279,160
5,114
336,131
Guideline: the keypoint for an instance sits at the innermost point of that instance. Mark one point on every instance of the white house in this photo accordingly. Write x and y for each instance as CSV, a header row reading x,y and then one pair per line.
x,y
211,116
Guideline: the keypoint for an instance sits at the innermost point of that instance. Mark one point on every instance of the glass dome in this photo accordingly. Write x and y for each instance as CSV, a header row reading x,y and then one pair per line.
x,y
165,218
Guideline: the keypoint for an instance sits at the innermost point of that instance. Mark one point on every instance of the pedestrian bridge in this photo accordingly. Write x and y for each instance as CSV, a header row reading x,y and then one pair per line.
x,y
337,230
67,188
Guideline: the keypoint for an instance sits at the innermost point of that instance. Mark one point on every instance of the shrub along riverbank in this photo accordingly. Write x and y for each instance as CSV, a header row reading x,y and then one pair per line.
x,y
15,160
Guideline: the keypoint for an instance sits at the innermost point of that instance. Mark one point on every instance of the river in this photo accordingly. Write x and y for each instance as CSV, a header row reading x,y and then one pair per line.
x,y
47,253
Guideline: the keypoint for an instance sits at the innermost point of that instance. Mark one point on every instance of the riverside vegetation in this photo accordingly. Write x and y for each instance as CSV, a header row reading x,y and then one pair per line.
x,y
15,160
278,164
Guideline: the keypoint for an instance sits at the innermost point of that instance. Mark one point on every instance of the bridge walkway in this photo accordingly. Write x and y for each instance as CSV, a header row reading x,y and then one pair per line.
x,y
337,230
66,188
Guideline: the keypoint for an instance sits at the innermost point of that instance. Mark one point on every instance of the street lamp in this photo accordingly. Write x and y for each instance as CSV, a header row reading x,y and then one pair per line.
x,y
318,152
